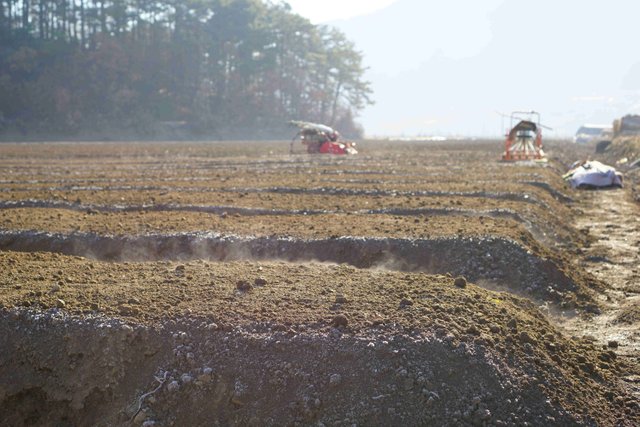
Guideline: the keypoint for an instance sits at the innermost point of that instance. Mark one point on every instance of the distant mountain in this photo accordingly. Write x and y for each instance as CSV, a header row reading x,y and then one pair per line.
x,y
447,67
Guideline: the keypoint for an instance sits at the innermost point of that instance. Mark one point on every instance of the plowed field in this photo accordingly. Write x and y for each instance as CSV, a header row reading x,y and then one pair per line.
x,y
171,284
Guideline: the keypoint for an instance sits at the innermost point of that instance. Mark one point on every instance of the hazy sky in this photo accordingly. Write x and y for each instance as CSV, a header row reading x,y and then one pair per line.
x,y
444,67
319,11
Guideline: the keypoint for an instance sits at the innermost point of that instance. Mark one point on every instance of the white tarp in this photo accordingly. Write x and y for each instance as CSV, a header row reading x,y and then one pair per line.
x,y
592,173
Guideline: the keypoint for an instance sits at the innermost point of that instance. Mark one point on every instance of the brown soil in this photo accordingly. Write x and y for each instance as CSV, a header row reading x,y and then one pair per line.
x,y
180,284
611,217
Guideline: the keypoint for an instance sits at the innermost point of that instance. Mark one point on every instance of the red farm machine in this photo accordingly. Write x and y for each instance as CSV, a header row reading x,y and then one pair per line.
x,y
321,139
524,138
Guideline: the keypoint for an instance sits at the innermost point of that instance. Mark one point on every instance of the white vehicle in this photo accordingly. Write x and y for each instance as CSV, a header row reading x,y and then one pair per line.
x,y
588,133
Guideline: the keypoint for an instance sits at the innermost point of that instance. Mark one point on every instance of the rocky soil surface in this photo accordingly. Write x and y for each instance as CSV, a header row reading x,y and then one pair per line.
x,y
232,284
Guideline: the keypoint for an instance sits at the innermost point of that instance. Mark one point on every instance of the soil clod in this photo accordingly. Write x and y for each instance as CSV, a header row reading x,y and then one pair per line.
x,y
340,321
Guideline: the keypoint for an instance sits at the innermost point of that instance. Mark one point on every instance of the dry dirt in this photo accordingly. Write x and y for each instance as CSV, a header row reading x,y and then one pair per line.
x,y
232,284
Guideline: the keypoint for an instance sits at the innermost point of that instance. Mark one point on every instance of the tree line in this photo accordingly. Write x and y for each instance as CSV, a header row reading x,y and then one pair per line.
x,y
220,68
